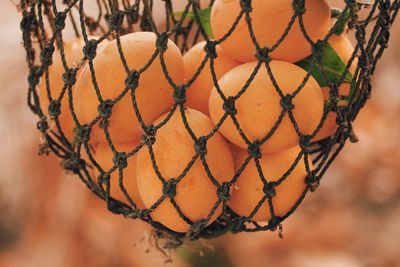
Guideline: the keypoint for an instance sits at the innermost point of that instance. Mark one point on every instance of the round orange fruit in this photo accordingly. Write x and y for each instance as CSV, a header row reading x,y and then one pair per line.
x,y
269,21
153,92
198,93
73,54
344,49
173,149
248,190
104,156
259,107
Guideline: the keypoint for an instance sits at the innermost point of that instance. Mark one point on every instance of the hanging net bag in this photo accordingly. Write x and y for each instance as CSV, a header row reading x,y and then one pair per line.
x,y
201,117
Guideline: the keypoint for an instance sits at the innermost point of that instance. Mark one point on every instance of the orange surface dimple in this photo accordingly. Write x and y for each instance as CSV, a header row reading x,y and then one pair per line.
x,y
344,49
198,93
259,107
153,94
196,195
248,190
73,54
269,21
104,157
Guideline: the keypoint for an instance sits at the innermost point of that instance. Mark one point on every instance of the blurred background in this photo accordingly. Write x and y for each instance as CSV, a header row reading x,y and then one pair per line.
x,y
49,219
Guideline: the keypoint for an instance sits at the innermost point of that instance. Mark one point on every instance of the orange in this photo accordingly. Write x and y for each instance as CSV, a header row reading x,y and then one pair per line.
x,y
249,188
174,148
153,93
343,47
259,108
73,54
270,20
198,93
104,157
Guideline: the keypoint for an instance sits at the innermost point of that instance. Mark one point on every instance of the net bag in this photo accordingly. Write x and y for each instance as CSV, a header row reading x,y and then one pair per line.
x,y
229,138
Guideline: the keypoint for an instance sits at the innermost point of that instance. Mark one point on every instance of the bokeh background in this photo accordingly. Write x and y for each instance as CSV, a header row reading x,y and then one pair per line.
x,y
48,218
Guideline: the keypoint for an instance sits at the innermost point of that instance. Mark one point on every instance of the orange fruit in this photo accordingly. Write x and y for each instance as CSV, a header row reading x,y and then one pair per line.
x,y
259,108
198,93
73,54
153,93
344,49
269,21
249,188
105,158
174,148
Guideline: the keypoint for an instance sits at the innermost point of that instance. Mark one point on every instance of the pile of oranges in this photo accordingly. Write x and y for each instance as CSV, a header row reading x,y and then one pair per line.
x,y
225,88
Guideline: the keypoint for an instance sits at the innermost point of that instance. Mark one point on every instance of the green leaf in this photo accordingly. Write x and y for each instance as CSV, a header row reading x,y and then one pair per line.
x,y
340,25
204,16
332,65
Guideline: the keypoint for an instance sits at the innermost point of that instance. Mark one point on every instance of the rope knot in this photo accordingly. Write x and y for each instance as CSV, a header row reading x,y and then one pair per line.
x,y
59,21
162,42
142,214
269,189
299,7
237,225
46,55
120,160
274,222
223,191
116,20
254,150
34,75
286,102
54,108
132,80
89,50
69,77
246,5
83,133
169,188
312,181
26,22
73,163
179,94
114,206
149,135
229,106
349,132
211,49
305,143
200,145
105,109
263,54
103,178
42,125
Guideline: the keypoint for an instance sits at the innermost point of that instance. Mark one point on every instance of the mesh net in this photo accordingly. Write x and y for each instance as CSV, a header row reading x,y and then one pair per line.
x,y
44,26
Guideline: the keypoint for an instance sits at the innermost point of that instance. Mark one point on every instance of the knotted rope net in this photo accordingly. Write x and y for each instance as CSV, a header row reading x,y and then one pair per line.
x,y
43,28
